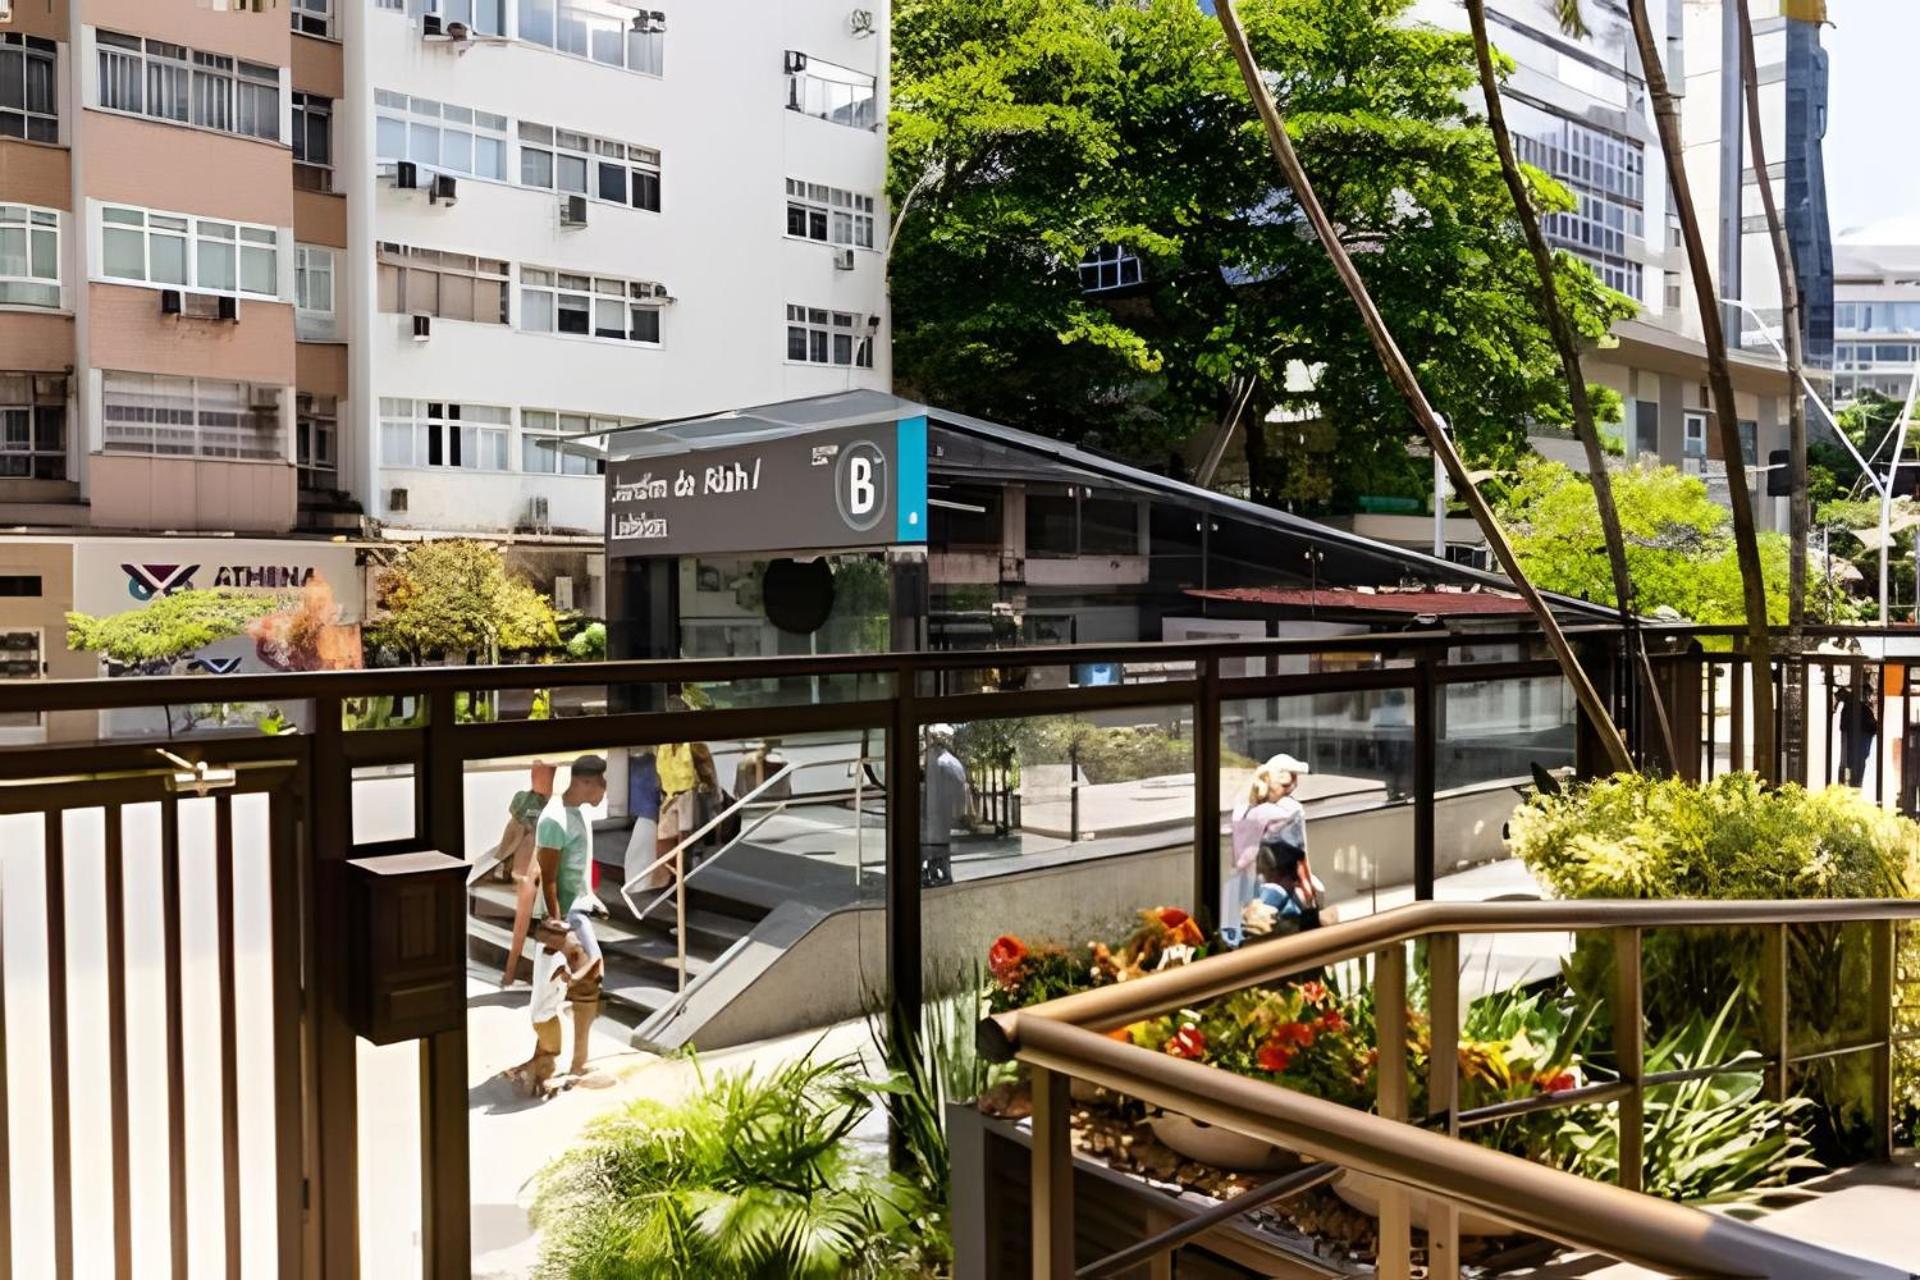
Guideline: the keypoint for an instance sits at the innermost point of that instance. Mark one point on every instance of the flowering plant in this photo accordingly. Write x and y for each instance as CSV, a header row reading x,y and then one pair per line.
x,y
1029,973
1303,1036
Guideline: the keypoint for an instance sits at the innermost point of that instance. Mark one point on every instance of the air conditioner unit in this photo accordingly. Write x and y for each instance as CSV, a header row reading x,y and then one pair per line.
x,y
422,328
396,500
648,23
660,292
539,514
229,307
430,25
573,211
406,175
206,306
796,62
843,259
265,398
445,190
170,302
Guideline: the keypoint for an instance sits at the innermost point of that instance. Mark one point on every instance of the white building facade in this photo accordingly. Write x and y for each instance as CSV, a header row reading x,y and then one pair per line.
x,y
1876,340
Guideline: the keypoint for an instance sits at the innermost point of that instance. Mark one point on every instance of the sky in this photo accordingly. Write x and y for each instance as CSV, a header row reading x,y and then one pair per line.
x,y
1874,49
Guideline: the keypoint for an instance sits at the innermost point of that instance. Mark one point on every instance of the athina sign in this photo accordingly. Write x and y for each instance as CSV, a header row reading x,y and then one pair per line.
x,y
145,581
808,491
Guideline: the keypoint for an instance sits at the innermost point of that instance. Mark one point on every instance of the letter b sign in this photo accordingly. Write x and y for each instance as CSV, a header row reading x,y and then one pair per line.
x,y
860,485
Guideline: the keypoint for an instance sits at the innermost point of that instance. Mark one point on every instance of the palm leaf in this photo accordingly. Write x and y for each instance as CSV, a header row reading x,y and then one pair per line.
x,y
1572,20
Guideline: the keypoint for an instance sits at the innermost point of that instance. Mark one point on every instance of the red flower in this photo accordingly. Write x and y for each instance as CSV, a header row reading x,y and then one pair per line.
x,y
1274,1057
1180,925
1314,993
1557,1084
1172,917
1004,958
1294,1034
1188,1042
1332,1022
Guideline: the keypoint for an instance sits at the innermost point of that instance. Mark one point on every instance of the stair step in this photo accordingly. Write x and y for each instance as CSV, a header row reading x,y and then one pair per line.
x,y
625,984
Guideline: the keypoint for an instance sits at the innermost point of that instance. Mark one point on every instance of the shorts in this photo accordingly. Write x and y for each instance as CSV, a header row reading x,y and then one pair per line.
x,y
679,818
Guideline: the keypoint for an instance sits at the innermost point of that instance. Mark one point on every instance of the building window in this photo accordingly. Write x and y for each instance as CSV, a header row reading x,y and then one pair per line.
x,y
312,142
815,336
482,17
20,585
29,256
829,92
171,82
313,17
1750,443
28,106
438,135
590,306
548,446
433,433
33,426
452,286
578,164
1693,438
190,417
20,659
315,436
314,318
1111,266
188,252
1606,175
829,215
604,30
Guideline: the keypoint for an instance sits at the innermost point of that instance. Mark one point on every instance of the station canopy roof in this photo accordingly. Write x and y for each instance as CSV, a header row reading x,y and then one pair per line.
x,y
1257,558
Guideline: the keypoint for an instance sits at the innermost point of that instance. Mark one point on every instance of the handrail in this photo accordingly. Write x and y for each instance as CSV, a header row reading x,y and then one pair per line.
x,y
1148,996
1643,1230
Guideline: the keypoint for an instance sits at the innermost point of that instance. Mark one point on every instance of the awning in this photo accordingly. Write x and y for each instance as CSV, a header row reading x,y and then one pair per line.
x,y
1453,604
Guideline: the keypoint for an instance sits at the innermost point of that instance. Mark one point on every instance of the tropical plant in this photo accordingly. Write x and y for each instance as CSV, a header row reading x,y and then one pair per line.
x,y
457,596
1024,974
168,628
756,1176
588,644
1706,1139
1666,114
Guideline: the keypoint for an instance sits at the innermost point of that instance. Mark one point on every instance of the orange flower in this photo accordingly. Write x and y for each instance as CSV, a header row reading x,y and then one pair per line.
x,y
1274,1057
1332,1022
1004,958
1189,1042
1181,926
1314,993
1295,1034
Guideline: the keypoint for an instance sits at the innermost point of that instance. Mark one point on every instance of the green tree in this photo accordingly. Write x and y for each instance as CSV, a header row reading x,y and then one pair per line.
x,y
457,596
169,628
1678,542
1055,127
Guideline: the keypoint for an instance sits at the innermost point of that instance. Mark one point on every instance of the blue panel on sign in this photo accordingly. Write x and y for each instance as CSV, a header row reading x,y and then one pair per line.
x,y
912,505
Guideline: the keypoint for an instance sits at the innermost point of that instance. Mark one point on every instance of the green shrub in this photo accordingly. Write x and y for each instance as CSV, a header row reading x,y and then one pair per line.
x,y
753,1177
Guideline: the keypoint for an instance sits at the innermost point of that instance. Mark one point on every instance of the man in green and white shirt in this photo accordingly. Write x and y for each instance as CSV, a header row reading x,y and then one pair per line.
x,y
563,841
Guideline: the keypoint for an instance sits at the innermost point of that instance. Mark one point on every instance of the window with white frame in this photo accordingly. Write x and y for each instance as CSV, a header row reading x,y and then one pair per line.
x,y
190,417
828,214
1111,266
187,86
439,135
1693,438
829,92
452,286
177,249
550,444
434,433
316,429
33,426
313,17
29,107
819,336
580,164
312,142
481,17
589,306
29,256
314,318
614,32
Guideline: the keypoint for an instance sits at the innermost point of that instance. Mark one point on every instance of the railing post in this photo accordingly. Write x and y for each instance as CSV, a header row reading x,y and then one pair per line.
x,y
1053,1257
1206,793
445,1174
905,976
335,1054
1881,986
680,913
1443,1093
1425,748
1395,1258
1629,1047
1775,1044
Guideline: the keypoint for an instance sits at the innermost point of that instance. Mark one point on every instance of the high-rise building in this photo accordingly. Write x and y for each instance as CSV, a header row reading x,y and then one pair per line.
x,y
288,270
1876,309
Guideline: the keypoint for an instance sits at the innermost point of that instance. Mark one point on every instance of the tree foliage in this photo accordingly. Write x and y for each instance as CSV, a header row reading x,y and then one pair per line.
x,y
168,628
1679,542
457,596
1053,127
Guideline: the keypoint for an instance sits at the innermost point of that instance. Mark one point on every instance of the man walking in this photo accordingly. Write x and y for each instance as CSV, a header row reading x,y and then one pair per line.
x,y
564,849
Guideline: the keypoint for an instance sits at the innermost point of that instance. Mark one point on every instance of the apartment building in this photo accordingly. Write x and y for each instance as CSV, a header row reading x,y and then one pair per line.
x,y
356,271
1876,309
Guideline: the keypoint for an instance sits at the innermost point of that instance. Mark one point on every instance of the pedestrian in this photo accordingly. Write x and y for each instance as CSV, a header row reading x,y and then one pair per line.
x,y
1289,889
563,973
564,842
1268,807
1392,724
1859,727
516,854
946,802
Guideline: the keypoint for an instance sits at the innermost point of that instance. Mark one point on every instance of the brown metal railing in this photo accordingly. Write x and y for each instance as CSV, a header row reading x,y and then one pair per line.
x,y
1063,1039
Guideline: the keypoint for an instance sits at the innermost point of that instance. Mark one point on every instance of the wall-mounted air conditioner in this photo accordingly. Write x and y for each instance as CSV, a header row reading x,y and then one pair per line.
x,y
539,512
843,259
422,328
796,62
573,211
228,308
406,175
396,500
657,291
445,190
649,22
431,26
170,302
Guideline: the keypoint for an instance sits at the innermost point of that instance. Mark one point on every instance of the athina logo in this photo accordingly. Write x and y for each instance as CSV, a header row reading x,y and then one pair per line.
x,y
145,581
214,666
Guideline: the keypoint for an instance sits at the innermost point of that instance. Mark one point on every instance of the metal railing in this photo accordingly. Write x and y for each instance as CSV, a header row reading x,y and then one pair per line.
x,y
1065,1040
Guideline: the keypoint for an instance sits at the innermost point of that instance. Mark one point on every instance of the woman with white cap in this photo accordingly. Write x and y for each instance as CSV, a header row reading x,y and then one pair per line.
x,y
1269,807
